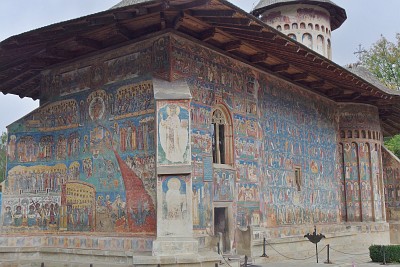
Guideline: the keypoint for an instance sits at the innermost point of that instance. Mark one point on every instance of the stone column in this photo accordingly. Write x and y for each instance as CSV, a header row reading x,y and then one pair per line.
x,y
174,183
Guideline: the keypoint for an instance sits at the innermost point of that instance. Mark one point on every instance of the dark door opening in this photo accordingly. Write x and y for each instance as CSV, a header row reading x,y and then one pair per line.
x,y
221,228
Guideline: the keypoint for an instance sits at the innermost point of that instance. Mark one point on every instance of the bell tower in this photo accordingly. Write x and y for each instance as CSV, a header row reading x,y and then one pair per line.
x,y
309,22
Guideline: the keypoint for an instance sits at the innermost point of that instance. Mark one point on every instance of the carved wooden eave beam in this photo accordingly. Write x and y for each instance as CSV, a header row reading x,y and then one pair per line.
x,y
280,67
21,74
316,84
299,76
258,58
208,34
123,31
227,20
23,82
250,28
55,52
178,21
123,15
262,36
100,21
88,43
331,93
231,46
211,13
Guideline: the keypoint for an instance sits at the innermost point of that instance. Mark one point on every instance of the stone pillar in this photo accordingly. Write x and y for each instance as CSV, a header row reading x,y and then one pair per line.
x,y
174,183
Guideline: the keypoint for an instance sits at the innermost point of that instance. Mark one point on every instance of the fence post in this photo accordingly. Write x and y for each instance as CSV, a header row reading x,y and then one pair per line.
x,y
264,249
328,261
384,255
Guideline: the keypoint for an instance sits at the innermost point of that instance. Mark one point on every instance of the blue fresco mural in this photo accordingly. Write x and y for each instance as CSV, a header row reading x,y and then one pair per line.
x,y
101,142
276,127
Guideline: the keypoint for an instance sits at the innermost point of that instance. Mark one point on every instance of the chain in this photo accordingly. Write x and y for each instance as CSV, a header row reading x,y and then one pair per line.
x,y
296,259
353,254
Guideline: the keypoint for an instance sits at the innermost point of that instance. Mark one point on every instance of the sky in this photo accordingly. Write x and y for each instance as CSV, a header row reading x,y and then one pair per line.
x,y
366,21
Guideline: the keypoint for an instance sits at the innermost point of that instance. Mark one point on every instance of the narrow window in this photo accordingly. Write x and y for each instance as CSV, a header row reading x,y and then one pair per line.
x,y
293,36
222,135
297,177
279,28
286,27
294,26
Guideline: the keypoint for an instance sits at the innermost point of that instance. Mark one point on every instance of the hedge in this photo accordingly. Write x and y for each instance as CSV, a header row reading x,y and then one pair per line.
x,y
392,253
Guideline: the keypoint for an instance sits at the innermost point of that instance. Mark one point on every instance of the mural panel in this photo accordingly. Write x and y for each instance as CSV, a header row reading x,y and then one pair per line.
x,y
224,185
173,132
96,159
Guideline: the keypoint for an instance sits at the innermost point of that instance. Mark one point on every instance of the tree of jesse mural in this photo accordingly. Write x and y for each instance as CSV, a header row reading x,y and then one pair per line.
x,y
85,163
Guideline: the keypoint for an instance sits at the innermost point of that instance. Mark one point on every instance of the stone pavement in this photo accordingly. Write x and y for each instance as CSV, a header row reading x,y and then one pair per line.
x,y
338,259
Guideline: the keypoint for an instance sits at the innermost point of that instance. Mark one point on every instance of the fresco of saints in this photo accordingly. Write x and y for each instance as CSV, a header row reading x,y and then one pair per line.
x,y
174,135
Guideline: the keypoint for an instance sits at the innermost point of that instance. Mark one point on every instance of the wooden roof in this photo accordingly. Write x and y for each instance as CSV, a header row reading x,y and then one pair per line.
x,y
216,23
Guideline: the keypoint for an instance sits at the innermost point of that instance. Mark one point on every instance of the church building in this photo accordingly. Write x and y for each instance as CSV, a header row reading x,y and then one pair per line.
x,y
169,130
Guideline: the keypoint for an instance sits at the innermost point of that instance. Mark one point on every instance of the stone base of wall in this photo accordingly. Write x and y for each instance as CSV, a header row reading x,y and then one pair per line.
x,y
24,257
394,232
347,237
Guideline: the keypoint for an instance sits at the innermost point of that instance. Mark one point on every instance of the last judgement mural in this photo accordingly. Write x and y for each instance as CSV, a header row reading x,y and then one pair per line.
x,y
86,164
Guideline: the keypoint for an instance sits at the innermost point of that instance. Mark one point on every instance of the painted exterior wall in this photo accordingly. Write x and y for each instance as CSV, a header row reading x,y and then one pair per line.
x,y
360,153
85,160
307,24
391,174
277,126
103,158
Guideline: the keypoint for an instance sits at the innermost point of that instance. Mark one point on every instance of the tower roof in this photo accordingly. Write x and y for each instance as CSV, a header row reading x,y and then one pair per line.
x,y
338,14
124,3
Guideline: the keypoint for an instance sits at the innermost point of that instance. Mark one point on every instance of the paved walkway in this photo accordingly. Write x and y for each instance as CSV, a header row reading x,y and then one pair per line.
x,y
338,259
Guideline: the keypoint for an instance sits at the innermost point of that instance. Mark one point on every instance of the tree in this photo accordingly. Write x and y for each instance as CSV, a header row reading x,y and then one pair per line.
x,y
3,153
393,144
383,60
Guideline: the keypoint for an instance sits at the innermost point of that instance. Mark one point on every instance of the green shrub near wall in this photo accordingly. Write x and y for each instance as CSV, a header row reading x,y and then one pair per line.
x,y
392,253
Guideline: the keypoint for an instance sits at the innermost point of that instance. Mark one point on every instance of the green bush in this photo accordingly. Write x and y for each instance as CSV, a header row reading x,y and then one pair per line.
x,y
392,253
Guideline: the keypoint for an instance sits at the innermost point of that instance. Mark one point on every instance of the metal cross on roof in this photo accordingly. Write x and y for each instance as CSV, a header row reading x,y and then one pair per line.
x,y
359,52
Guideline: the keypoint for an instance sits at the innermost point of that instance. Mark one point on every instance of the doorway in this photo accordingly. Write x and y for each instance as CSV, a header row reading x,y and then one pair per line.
x,y
221,228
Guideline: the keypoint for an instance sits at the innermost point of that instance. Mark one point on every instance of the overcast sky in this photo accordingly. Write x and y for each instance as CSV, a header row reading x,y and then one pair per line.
x,y
367,20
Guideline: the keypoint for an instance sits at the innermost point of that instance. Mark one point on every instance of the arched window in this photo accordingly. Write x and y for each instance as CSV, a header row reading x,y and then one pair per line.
x,y
302,25
323,28
286,27
310,26
363,135
222,136
279,28
320,44
295,26
329,48
307,40
293,36
317,27
356,134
